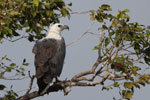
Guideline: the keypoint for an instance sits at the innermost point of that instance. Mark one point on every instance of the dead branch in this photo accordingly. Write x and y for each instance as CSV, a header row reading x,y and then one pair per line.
x,y
31,83
83,34
17,38
7,78
25,97
83,12
79,77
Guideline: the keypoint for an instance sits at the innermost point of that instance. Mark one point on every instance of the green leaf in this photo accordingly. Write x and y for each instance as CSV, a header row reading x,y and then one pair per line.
x,y
116,84
14,13
12,64
2,74
5,58
126,10
114,23
147,60
70,4
25,63
97,47
128,85
107,41
99,19
106,7
105,88
64,11
2,87
92,18
36,2
8,69
26,24
92,11
145,78
127,94
135,69
22,69
136,85
104,27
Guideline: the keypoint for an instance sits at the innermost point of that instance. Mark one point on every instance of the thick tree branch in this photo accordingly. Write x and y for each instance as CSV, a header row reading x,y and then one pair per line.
x,y
61,85
91,71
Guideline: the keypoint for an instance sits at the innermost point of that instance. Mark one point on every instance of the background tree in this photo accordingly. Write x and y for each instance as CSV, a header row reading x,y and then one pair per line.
x,y
123,48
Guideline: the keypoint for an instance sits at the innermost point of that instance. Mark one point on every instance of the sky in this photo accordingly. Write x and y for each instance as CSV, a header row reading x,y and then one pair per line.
x,y
79,56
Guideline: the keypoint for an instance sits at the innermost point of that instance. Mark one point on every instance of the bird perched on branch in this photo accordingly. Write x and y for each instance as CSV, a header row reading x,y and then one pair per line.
x,y
49,56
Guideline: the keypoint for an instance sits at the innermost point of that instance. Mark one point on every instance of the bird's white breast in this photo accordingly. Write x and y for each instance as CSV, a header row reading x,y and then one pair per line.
x,y
54,35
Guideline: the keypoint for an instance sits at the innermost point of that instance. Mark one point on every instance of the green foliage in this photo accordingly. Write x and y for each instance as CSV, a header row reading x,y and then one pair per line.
x,y
144,79
11,95
7,66
128,85
36,2
32,15
134,70
127,94
116,84
125,44
2,87
4,69
106,88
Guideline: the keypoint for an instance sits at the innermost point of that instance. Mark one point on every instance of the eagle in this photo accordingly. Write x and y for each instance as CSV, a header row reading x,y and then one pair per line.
x,y
49,56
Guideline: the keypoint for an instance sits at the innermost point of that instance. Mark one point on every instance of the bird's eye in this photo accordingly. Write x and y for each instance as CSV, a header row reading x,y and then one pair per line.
x,y
59,25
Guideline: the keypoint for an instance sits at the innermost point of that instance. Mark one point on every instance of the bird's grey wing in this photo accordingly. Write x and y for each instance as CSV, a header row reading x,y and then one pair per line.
x,y
44,50
62,53
35,47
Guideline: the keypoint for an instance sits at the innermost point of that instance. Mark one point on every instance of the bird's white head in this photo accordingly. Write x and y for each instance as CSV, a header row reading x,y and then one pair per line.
x,y
55,31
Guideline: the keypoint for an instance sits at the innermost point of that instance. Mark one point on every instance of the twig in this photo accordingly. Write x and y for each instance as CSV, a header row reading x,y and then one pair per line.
x,y
5,78
101,39
18,38
83,12
26,96
87,31
25,90
31,82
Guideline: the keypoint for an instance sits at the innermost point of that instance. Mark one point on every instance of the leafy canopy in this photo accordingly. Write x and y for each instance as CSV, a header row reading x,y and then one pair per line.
x,y
33,16
126,48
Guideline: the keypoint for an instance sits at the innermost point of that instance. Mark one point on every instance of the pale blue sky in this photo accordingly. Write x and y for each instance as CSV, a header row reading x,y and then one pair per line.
x,y
80,55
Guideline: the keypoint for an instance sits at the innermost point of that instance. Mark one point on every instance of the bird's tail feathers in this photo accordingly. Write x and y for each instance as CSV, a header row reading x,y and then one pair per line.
x,y
41,84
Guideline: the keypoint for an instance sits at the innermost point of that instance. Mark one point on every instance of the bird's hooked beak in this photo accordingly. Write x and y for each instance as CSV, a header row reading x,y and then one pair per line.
x,y
65,27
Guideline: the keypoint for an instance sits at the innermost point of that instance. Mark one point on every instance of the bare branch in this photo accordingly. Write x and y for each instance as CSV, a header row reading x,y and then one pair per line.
x,y
18,38
25,97
7,78
31,83
84,12
83,34
91,71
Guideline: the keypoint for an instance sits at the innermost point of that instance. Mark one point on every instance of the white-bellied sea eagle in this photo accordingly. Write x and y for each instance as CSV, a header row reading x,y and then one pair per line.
x,y
49,56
